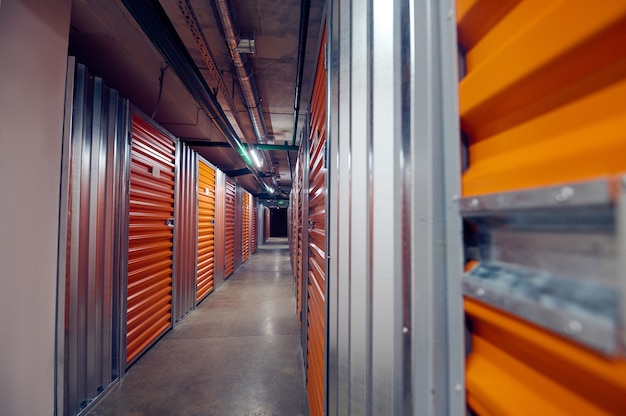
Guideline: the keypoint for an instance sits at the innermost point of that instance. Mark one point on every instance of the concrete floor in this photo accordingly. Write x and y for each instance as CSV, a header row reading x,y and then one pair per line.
x,y
238,353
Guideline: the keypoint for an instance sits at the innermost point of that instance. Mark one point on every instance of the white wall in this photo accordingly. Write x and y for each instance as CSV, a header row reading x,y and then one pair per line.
x,y
33,54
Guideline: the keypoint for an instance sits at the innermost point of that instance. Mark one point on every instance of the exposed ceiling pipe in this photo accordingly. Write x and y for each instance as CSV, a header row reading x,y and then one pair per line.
x,y
305,5
157,26
243,70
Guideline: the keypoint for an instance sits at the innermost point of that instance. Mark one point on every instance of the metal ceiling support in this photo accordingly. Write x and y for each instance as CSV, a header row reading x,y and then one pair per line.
x,y
304,28
273,147
156,25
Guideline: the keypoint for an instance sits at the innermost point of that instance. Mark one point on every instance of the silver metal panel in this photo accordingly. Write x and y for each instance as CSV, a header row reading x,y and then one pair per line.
x,y
260,224
397,246
581,194
342,197
438,354
220,222
437,258
386,226
91,227
360,286
185,232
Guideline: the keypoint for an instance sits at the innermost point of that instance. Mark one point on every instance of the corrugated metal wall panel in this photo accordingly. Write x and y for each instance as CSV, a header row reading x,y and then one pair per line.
x,y
90,262
185,230
245,226
206,230
220,228
230,192
149,297
266,224
316,316
541,103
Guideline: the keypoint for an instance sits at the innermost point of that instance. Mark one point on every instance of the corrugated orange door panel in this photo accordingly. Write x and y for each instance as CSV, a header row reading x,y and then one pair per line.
x,y
245,226
254,221
516,368
206,230
230,228
542,101
149,294
298,237
316,310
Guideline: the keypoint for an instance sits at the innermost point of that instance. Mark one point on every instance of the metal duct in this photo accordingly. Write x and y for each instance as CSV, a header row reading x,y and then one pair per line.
x,y
305,6
243,70
153,20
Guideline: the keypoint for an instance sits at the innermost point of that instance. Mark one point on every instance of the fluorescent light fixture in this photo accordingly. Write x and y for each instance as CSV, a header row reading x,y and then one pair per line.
x,y
269,189
256,158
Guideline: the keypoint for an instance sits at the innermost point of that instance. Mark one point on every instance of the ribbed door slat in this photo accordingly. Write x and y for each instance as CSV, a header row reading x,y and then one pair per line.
x,y
149,295
206,230
230,228
254,221
298,233
245,226
315,370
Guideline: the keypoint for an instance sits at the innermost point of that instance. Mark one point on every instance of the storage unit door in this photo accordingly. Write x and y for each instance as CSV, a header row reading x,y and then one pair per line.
x,y
298,238
245,226
149,296
254,221
316,302
206,230
230,228
543,117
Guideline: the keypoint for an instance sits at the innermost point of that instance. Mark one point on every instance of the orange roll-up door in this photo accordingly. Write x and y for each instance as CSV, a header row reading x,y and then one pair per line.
x,y
245,226
230,228
316,301
206,230
255,225
298,234
544,118
254,220
149,296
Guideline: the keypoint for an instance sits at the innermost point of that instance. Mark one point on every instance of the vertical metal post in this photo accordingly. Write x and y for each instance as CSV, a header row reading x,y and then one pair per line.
x,y
305,233
436,287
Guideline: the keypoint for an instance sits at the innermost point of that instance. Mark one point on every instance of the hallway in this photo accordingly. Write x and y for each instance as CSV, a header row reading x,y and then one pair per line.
x,y
238,353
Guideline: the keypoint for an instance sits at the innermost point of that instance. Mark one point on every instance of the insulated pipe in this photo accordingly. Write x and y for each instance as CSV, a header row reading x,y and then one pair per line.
x,y
305,5
243,69
158,28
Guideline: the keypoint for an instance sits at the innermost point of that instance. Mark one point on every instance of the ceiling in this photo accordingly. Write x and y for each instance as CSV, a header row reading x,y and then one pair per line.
x,y
111,41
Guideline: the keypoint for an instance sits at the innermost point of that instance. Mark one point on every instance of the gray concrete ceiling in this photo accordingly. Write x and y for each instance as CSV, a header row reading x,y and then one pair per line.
x,y
106,38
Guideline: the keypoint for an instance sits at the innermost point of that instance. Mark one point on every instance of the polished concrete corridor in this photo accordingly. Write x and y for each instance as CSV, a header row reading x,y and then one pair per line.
x,y
238,353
